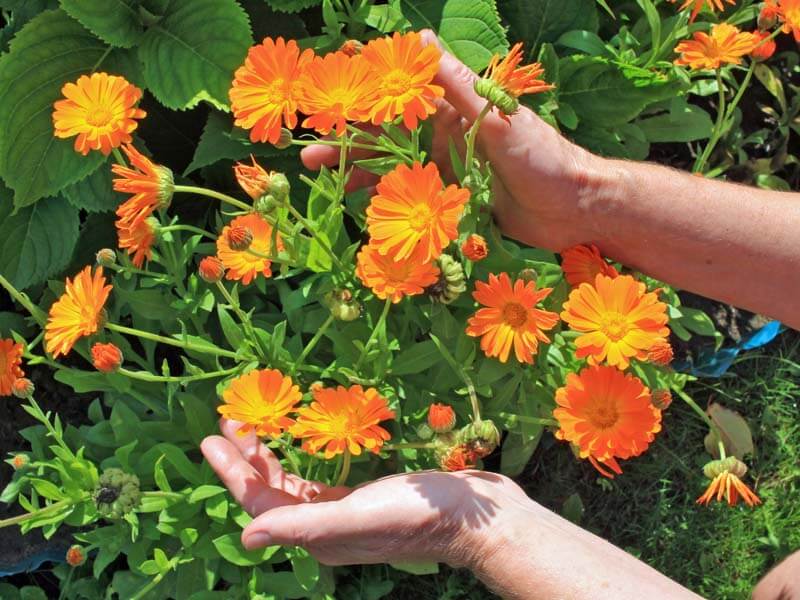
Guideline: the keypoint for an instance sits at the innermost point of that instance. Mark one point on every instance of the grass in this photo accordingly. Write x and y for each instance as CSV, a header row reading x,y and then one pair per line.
x,y
650,511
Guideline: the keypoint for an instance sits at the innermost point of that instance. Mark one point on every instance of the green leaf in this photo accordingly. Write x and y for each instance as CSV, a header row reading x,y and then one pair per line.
x,y
417,568
536,22
293,6
305,567
51,49
230,548
95,193
205,491
572,509
416,358
92,381
686,123
114,21
233,333
37,241
736,435
470,29
191,53
697,321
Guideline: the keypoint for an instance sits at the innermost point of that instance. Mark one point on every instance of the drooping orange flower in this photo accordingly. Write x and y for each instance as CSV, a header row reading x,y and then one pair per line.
x,y
726,482
726,44
264,92
343,419
10,365
246,265
458,458
510,318
78,312
411,215
136,235
388,278
697,6
100,109
106,358
261,400
152,185
607,415
766,46
336,89
405,70
619,320
253,179
582,263
441,417
475,248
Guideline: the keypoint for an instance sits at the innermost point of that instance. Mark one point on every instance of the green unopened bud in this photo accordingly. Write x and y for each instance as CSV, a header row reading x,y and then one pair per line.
x,y
279,186
452,282
482,437
266,205
494,93
106,257
117,493
155,226
342,305
528,275
731,464
285,139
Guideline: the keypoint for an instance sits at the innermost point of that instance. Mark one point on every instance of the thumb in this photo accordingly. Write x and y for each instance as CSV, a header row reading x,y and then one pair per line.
x,y
297,525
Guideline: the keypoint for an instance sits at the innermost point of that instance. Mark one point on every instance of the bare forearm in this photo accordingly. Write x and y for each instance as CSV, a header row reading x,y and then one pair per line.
x,y
729,242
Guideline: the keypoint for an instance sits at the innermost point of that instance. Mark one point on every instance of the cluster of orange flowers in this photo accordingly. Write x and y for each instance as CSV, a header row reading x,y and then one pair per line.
x,y
10,365
337,420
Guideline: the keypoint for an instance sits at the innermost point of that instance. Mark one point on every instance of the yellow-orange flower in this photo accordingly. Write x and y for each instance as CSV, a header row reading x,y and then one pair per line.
x,y
475,248
343,419
458,458
697,6
619,320
405,70
411,215
336,89
78,312
726,44
510,318
725,476
581,264
137,236
10,365
244,265
264,92
388,278
261,401
100,109
513,79
788,11
152,185
607,415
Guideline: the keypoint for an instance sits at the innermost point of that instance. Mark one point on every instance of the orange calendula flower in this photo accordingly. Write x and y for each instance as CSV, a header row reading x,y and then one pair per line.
x,y
264,92
78,312
10,365
441,417
661,353
261,401
336,89
770,15
475,248
458,458
136,235
726,44
343,419
411,215
766,46
607,415
505,81
75,556
788,12
581,264
510,318
253,179
726,482
388,278
619,320
246,265
100,109
697,6
152,186
211,269
106,358
405,70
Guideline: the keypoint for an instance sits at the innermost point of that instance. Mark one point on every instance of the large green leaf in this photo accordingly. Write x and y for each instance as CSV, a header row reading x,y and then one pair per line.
x,y
470,29
537,22
37,241
115,21
191,53
49,51
292,6
18,12
95,192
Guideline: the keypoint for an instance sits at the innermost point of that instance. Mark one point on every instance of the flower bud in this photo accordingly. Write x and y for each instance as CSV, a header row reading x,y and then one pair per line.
x,y
20,461
452,282
458,458
342,305
475,248
765,48
279,186
661,399
769,15
23,388
494,93
106,358
117,493
528,275
482,437
660,353
166,187
351,47
211,269
239,238
76,556
285,139
731,464
106,257
441,418
256,182
266,205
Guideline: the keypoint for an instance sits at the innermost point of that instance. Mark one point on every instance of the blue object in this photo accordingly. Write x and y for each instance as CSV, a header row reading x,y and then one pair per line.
x,y
54,553
714,364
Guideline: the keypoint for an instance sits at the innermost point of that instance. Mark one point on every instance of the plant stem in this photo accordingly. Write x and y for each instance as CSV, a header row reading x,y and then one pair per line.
x,y
38,314
345,468
285,450
374,334
342,166
526,419
118,156
149,587
739,93
37,513
313,233
351,144
134,271
245,320
408,446
210,349
191,189
313,342
473,135
147,376
700,412
473,396
189,228
716,133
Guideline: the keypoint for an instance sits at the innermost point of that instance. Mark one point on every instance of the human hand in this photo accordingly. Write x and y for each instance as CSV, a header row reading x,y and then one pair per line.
x,y
782,583
428,516
542,182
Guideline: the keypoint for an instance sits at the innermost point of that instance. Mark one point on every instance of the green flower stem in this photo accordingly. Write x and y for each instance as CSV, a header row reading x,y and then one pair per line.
x,y
119,158
214,350
342,167
472,136
473,396
345,468
384,144
61,504
201,191
147,376
245,320
156,580
313,233
716,133
37,313
374,334
189,228
739,93
288,453
312,343
133,271
269,257
334,143
700,412
532,420
409,446
162,494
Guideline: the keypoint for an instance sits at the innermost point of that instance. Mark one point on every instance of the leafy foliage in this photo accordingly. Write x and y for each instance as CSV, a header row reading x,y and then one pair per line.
x,y
117,23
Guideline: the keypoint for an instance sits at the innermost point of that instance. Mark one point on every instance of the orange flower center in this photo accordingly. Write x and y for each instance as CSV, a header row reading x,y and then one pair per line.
x,y
100,117
396,83
420,217
276,92
515,314
603,415
615,326
342,425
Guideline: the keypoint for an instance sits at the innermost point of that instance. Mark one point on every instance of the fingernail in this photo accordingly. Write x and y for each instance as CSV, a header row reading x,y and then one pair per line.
x,y
256,540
